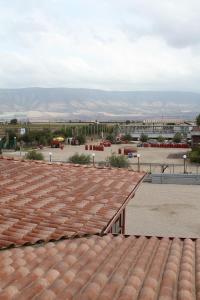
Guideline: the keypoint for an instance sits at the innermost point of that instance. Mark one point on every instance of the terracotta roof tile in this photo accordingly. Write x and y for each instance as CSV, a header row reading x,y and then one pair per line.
x,y
104,267
42,202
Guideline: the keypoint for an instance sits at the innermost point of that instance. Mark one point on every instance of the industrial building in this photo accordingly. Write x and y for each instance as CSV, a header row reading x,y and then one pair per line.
x,y
154,130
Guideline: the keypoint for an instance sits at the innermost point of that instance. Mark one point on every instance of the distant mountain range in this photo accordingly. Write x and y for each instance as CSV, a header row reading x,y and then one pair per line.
x,y
43,104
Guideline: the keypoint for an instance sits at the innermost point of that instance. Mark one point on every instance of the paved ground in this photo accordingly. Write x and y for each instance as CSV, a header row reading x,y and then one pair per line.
x,y
165,210
148,155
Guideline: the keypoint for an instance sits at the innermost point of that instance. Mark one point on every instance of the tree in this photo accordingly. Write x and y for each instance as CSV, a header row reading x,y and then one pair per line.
x,y
118,161
13,121
177,137
143,138
160,139
198,120
194,156
37,137
110,138
81,139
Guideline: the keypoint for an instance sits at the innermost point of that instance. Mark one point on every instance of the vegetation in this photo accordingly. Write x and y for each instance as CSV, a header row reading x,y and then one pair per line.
x,y
177,137
13,121
160,139
36,137
194,155
143,138
118,161
81,139
110,138
198,120
83,159
34,155
127,137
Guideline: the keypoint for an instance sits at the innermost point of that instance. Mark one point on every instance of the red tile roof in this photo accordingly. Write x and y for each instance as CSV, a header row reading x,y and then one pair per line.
x,y
122,268
40,201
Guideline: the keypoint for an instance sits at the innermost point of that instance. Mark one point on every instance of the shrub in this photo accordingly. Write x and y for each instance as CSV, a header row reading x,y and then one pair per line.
x,y
127,137
34,155
194,156
144,138
118,161
82,159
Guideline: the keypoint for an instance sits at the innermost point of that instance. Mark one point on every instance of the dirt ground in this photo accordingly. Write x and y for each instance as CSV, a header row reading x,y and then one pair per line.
x,y
148,155
164,210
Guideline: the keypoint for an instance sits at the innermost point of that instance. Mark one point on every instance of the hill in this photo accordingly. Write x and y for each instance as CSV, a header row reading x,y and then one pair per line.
x,y
86,104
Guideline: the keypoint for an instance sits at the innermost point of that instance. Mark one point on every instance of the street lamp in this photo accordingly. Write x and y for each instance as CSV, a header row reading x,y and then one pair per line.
x,y
93,156
138,157
184,162
50,156
15,142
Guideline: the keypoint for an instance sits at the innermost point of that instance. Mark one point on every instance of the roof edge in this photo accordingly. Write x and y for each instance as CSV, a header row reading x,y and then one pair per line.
x,y
130,196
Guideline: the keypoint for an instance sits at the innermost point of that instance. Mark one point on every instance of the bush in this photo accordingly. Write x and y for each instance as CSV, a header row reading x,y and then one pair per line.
x,y
144,138
127,137
194,156
34,155
82,159
118,161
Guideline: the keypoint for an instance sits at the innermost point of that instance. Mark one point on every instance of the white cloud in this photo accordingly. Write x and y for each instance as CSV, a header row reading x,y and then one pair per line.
x,y
131,45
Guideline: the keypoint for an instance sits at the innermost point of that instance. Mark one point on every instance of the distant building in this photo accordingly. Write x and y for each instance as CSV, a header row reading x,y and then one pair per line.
x,y
195,137
155,130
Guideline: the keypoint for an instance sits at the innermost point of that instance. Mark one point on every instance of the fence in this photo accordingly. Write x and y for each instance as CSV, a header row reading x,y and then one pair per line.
x,y
156,168
189,179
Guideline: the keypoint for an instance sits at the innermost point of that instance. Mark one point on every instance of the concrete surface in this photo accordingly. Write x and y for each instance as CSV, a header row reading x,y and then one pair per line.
x,y
148,155
157,155
164,210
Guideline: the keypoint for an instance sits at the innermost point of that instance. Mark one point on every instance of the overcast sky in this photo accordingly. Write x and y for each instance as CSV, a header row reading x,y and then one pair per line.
x,y
106,44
